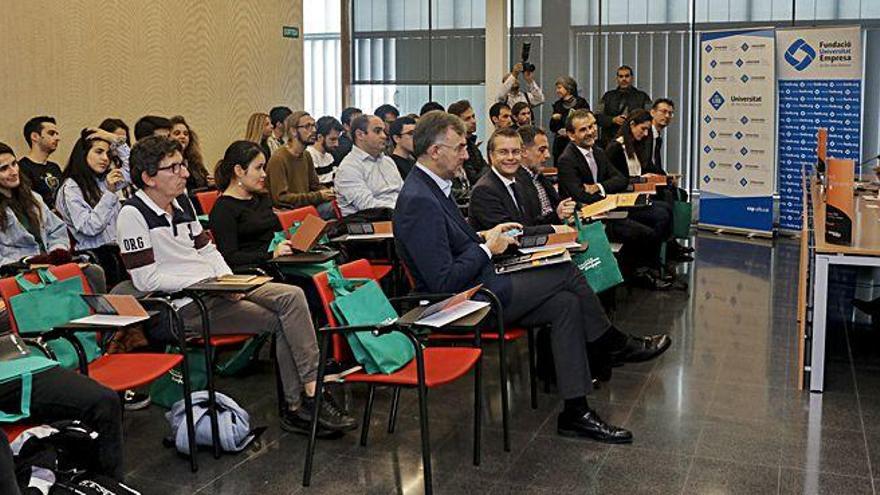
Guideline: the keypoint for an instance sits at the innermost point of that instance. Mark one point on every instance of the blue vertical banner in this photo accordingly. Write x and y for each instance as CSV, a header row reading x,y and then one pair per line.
x,y
820,72
737,145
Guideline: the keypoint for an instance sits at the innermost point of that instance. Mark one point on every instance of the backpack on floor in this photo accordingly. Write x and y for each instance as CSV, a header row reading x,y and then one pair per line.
x,y
233,421
61,458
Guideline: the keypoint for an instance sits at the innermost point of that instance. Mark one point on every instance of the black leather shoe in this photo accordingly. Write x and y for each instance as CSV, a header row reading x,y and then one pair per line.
x,y
590,425
647,281
675,247
638,349
680,257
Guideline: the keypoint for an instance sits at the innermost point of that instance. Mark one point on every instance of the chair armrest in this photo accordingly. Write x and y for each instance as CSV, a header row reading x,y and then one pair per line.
x,y
439,296
379,329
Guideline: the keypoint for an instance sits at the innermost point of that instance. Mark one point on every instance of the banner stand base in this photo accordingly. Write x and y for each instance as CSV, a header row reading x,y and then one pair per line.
x,y
726,229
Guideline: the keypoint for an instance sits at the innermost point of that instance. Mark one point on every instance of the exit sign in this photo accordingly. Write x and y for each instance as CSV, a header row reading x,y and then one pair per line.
x,y
290,32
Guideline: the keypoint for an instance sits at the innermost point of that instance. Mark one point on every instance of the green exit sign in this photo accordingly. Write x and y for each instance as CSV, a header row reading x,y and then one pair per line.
x,y
290,32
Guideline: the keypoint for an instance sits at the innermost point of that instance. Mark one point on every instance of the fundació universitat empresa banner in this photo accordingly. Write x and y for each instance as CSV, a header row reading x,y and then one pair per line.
x,y
820,72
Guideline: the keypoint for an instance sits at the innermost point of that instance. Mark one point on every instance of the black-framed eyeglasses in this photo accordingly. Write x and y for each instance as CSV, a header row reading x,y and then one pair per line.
x,y
174,167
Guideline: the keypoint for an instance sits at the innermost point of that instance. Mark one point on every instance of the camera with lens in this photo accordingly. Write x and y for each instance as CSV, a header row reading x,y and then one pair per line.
x,y
524,55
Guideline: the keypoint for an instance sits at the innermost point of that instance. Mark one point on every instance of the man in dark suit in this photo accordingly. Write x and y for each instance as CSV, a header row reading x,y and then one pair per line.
x,y
445,254
507,193
662,113
586,175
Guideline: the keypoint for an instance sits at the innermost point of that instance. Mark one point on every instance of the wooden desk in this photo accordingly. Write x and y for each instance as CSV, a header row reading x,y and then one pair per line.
x,y
819,256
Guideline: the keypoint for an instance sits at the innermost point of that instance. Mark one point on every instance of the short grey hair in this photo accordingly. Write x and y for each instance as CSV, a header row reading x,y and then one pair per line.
x,y
431,127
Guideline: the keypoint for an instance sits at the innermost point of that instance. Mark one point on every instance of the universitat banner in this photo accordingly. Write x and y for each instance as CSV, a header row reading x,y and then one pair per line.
x,y
737,129
820,73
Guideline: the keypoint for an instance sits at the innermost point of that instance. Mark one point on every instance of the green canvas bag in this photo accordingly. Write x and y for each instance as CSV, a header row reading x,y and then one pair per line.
x,y
50,303
362,302
682,215
23,369
168,389
597,263
243,358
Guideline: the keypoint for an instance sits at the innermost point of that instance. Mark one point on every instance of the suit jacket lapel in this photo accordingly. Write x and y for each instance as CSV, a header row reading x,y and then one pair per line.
x,y
583,161
505,196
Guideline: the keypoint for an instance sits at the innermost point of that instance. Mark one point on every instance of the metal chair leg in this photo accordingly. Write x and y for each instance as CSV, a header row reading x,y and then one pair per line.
x,y
368,413
505,400
392,415
533,372
478,409
209,375
426,437
313,433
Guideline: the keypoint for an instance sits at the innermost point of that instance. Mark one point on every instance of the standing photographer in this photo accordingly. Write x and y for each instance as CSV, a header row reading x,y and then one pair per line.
x,y
510,91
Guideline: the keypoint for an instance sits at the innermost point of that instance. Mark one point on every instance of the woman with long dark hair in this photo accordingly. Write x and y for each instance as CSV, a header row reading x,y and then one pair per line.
x,y
625,149
199,177
89,203
569,101
28,228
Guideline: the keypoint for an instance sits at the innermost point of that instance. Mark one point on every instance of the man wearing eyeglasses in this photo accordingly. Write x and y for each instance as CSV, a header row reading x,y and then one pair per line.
x,y
291,177
402,134
367,178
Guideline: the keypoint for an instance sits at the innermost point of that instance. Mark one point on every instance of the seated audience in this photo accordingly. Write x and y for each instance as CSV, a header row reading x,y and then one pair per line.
x,y
500,115
242,221
444,254
401,133
430,107
199,177
44,176
329,129
345,139
549,208
586,175
474,165
259,129
58,394
522,114
277,116
28,228
508,194
88,199
569,101
166,249
152,125
626,153
367,177
292,180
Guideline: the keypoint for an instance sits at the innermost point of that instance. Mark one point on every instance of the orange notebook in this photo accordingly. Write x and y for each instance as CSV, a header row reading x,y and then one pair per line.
x,y
839,202
310,230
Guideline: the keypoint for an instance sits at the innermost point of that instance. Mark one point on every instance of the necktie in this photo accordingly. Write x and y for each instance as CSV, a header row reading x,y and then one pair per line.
x,y
546,206
591,162
516,196
658,145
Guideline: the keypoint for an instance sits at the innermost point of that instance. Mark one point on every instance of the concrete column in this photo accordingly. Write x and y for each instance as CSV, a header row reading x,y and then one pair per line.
x,y
556,39
497,48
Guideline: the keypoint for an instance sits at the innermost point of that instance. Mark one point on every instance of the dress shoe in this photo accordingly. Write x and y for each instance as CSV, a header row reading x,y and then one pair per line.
x,y
674,246
646,280
590,425
638,349
679,257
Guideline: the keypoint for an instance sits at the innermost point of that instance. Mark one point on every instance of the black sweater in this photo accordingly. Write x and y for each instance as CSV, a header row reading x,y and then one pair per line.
x,y
243,229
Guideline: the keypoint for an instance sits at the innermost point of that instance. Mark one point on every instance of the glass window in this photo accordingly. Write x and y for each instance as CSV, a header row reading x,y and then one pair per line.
x,y
526,13
321,58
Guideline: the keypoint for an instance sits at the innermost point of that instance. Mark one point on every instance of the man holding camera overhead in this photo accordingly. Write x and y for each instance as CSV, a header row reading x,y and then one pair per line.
x,y
510,91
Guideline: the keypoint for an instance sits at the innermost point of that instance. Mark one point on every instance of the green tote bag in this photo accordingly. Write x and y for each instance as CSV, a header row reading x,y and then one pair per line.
x,y
50,303
168,389
597,263
362,302
682,215
22,369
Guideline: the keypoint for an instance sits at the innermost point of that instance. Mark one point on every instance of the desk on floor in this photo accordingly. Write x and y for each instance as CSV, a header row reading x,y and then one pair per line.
x,y
817,257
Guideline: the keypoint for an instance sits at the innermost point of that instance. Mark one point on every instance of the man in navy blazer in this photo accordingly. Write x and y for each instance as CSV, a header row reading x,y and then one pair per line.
x,y
586,175
444,254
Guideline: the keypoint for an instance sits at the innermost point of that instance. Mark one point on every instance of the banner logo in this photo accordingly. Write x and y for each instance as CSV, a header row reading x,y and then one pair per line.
x,y
716,100
800,54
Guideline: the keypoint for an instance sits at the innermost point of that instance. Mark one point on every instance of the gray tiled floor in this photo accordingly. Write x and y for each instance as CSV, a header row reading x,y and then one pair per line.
x,y
718,413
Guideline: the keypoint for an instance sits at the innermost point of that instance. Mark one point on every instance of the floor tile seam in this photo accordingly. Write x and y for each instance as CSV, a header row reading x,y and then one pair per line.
x,y
234,468
687,475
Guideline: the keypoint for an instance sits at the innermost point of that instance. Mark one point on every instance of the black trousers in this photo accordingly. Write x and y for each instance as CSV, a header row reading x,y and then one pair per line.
x,y
60,394
559,295
642,233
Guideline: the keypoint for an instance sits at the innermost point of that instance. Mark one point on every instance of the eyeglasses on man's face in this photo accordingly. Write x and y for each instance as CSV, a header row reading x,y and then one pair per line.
x,y
175,168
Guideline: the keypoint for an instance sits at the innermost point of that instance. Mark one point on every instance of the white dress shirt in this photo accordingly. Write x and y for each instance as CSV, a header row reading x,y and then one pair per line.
x,y
363,182
594,167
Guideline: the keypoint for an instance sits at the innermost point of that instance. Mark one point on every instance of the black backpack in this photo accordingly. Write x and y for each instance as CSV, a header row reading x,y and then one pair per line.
x,y
62,457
